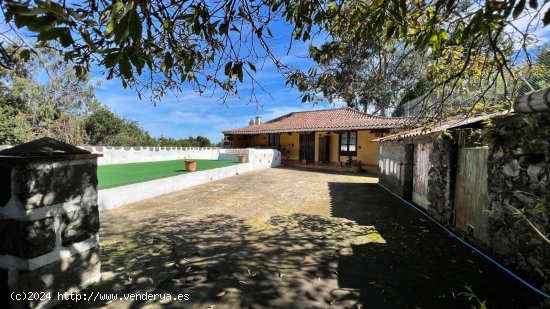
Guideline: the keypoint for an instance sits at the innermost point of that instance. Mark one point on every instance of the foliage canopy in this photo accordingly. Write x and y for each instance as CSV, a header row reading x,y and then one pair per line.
x,y
157,46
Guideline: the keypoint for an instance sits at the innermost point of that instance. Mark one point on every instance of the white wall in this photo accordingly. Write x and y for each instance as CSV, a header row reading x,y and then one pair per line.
x,y
257,159
118,154
115,197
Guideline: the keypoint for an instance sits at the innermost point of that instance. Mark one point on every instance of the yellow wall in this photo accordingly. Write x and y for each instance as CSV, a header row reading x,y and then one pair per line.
x,y
367,151
333,147
290,146
260,140
246,141
238,141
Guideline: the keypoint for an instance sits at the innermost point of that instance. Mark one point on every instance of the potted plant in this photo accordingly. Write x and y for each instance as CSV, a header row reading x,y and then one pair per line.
x,y
190,164
242,157
357,166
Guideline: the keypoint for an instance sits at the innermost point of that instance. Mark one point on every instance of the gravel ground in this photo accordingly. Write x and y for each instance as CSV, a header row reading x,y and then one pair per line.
x,y
288,238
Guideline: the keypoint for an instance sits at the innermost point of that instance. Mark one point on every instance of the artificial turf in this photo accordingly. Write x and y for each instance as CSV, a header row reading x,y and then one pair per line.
x,y
115,175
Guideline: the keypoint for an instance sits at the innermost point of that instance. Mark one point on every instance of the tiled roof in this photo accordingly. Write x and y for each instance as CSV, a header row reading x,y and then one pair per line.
x,y
449,123
338,119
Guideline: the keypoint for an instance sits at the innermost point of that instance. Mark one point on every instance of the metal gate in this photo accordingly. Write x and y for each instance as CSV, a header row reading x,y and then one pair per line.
x,y
471,200
421,172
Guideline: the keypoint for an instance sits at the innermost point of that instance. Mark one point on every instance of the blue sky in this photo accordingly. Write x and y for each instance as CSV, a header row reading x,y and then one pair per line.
x,y
190,114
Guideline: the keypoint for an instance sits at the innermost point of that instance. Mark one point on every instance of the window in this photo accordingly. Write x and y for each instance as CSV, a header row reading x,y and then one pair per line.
x,y
274,140
348,143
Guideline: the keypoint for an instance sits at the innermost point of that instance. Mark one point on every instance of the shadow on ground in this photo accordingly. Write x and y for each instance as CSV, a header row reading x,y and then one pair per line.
x,y
374,252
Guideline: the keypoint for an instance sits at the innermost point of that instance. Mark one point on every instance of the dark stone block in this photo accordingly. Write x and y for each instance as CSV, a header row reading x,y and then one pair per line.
x,y
4,289
5,185
80,225
62,275
53,184
27,239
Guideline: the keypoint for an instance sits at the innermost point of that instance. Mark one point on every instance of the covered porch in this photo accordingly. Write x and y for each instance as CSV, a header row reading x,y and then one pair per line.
x,y
318,148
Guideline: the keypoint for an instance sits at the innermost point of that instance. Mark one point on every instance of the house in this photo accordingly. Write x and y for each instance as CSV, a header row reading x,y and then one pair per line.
x,y
323,136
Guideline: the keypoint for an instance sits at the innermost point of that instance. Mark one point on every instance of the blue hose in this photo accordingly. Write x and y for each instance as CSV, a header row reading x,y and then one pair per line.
x,y
469,245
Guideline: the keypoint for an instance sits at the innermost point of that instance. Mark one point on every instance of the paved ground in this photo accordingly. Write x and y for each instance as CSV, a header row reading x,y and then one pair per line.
x,y
285,238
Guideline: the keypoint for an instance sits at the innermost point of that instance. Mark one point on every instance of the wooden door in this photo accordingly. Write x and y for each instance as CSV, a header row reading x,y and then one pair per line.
x,y
471,199
324,142
307,147
421,170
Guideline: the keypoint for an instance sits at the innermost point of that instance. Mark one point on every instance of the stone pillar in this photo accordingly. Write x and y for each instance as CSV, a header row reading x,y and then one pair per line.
x,y
49,222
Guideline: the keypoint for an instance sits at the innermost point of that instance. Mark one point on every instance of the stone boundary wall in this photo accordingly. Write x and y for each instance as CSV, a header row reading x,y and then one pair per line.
x,y
519,178
395,164
441,180
257,159
49,223
397,175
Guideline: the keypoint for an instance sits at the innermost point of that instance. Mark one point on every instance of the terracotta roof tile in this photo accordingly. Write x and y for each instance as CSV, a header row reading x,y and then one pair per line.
x,y
449,123
338,119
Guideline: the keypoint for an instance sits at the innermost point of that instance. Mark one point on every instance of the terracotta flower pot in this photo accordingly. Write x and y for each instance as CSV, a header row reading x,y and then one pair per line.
x,y
242,158
191,165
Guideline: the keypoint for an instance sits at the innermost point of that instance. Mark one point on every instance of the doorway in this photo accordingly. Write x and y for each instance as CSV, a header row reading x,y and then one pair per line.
x,y
307,147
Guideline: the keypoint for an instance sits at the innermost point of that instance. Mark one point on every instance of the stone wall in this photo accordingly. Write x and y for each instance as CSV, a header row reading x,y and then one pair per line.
x,y
519,178
441,180
49,225
396,172
395,165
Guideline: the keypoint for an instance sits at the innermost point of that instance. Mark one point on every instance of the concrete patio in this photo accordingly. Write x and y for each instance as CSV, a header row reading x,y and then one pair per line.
x,y
288,238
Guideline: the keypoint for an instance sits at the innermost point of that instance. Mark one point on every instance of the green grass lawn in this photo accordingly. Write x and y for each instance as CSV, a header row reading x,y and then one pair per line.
x,y
115,175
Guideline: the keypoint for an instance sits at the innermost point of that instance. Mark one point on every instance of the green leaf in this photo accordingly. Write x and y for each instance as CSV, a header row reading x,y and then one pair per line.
x,y
533,4
79,71
168,61
518,9
224,28
22,21
52,34
125,67
86,36
252,67
66,39
546,18
42,23
137,61
121,30
111,60
227,69
25,54
110,26
136,28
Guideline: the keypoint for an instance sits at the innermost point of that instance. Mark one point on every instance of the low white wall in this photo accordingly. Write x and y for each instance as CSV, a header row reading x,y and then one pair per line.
x,y
115,197
257,159
117,155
